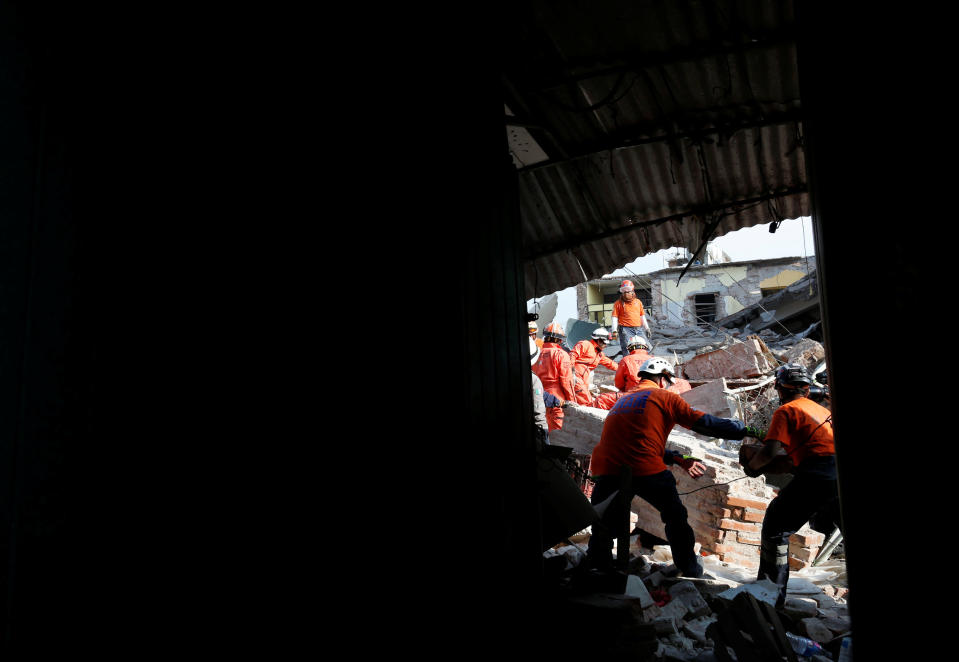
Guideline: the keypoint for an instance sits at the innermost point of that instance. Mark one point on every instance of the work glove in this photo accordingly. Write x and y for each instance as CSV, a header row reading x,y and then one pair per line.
x,y
757,433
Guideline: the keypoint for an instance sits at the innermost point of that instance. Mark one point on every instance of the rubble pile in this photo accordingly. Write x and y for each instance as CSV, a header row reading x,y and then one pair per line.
x,y
684,620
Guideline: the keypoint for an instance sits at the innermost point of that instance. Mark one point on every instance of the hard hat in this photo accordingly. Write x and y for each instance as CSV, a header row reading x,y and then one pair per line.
x,y
658,366
532,326
637,342
554,330
601,334
533,351
627,286
792,376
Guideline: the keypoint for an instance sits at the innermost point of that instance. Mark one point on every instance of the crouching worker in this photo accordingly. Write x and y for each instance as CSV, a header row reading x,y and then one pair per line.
x,y
634,435
802,428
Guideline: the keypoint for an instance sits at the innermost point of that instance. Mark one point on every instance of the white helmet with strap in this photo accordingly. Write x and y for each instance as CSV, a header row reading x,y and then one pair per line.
x,y
658,366
601,334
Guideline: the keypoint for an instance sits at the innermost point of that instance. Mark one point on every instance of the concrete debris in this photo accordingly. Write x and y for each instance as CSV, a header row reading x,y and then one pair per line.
x,y
682,614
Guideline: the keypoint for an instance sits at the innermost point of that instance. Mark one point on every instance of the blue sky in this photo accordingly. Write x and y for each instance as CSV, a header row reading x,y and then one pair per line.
x,y
794,237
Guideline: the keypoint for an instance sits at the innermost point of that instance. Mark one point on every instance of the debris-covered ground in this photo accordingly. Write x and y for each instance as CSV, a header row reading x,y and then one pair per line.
x,y
665,617
649,613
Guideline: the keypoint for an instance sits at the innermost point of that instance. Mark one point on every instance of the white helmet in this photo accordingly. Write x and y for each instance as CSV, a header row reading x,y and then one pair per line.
x,y
658,366
601,334
637,342
533,351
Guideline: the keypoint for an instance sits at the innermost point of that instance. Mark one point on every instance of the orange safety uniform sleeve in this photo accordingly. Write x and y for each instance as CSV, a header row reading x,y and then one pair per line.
x,y
636,429
799,426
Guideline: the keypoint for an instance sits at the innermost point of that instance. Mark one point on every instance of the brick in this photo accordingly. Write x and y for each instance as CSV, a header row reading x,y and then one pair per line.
x,y
733,525
721,512
745,538
796,564
746,503
737,513
811,539
803,553
750,515
741,559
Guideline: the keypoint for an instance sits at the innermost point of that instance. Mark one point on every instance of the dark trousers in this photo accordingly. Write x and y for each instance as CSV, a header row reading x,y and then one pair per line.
x,y
660,491
808,496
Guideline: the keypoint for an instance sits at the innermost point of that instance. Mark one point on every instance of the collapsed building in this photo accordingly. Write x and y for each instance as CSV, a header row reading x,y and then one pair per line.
x,y
730,376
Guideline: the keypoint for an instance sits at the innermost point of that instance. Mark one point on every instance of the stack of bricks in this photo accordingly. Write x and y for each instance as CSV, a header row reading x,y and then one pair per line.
x,y
729,526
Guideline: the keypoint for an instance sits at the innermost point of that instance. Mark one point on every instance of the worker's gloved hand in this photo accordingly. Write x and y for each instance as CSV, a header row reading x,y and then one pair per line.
x,y
757,433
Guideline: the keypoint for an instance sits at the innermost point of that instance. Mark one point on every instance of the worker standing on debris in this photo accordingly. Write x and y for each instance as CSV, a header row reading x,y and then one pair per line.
x,y
555,370
543,400
627,374
634,435
587,355
628,316
803,429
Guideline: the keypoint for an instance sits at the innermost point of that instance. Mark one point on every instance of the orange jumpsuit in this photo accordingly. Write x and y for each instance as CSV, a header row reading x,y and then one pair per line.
x,y
627,374
586,355
555,370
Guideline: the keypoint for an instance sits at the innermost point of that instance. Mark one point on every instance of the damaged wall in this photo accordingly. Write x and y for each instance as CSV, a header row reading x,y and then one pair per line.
x,y
735,285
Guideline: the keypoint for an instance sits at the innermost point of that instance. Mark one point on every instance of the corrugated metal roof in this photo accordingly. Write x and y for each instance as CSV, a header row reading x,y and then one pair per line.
x,y
661,121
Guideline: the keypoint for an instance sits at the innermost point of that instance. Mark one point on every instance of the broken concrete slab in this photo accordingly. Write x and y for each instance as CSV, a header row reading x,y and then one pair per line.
x,y
637,590
582,429
713,399
807,352
798,608
814,629
762,589
687,593
696,628
749,358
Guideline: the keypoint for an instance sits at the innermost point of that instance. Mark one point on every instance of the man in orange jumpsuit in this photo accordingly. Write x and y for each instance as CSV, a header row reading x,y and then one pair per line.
x,y
555,369
628,316
634,435
627,374
587,355
802,428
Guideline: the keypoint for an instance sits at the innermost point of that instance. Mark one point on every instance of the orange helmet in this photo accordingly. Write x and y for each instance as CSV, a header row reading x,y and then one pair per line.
x,y
627,286
554,330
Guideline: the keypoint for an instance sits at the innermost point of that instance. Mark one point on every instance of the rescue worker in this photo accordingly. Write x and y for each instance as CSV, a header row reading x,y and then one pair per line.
x,y
533,330
803,429
555,370
634,435
586,356
627,374
542,399
628,316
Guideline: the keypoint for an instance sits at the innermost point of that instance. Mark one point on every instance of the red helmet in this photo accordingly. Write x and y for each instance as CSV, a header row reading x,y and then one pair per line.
x,y
554,330
627,286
